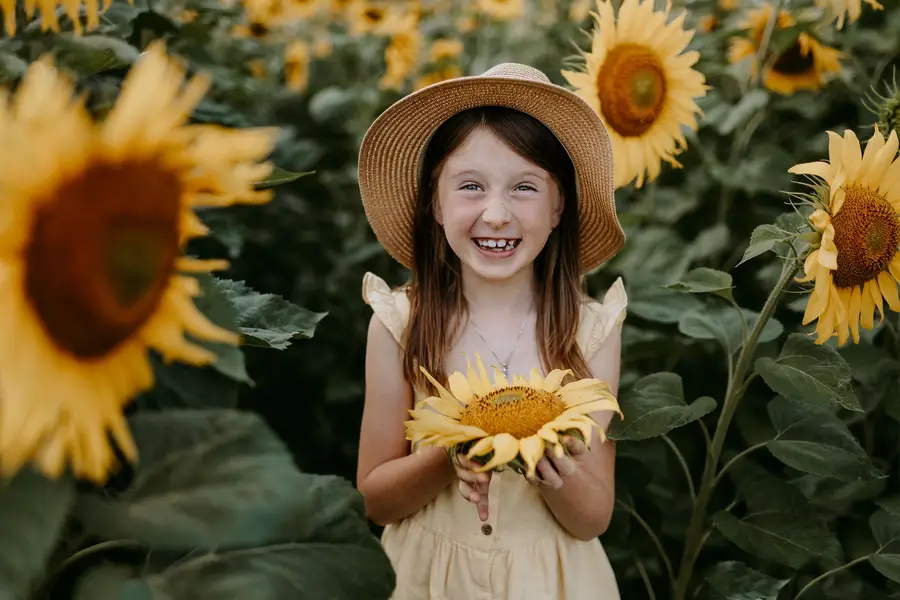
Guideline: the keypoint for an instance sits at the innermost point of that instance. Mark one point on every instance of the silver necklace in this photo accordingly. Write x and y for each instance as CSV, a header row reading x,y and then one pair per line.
x,y
504,364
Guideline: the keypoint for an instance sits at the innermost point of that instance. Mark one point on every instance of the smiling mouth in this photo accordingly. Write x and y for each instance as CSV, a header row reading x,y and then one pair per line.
x,y
497,245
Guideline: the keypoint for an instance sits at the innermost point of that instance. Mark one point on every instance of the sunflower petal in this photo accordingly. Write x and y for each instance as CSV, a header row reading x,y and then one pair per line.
x,y
459,386
554,379
532,450
441,390
481,447
506,447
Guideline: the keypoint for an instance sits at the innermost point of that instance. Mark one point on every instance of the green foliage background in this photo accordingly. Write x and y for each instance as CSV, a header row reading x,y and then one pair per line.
x,y
808,504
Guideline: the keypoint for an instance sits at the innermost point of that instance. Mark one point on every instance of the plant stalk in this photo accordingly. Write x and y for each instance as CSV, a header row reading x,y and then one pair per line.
x,y
733,395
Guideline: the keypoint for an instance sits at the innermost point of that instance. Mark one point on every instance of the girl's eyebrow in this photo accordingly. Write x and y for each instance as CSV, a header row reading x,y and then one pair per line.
x,y
477,173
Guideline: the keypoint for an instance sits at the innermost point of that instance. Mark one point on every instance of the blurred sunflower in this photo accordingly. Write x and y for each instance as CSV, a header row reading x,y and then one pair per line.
x,y
641,82
857,263
802,66
296,66
92,227
401,56
381,18
445,49
502,10
839,9
506,423
302,9
437,75
47,10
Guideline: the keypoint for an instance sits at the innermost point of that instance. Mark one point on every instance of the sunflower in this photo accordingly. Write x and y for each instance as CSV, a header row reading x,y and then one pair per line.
x,y
92,226
506,424
802,66
380,18
856,263
400,56
47,10
296,66
852,8
641,82
502,10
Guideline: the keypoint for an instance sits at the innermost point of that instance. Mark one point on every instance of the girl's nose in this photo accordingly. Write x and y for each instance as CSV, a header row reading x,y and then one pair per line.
x,y
496,214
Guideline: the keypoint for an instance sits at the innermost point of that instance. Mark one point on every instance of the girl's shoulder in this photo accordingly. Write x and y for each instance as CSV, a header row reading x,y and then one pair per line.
x,y
391,306
599,318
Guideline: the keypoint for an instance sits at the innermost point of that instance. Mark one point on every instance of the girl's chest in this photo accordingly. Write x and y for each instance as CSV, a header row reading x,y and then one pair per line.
x,y
518,356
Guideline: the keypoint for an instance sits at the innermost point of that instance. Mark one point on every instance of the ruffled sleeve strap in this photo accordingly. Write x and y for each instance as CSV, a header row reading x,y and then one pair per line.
x,y
599,319
390,306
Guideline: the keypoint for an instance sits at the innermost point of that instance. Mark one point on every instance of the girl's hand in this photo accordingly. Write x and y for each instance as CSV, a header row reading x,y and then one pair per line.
x,y
552,470
473,486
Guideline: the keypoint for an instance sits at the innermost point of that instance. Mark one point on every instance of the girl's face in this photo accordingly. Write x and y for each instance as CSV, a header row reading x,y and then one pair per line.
x,y
497,209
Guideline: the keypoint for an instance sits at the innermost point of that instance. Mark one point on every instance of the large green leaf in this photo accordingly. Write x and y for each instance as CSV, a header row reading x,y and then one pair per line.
x,y
268,320
655,406
786,538
887,564
218,308
734,580
91,54
33,510
704,281
660,305
762,240
206,479
814,440
885,528
763,492
809,373
722,322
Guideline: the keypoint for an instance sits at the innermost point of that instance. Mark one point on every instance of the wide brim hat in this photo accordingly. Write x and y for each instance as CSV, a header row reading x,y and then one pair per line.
x,y
391,151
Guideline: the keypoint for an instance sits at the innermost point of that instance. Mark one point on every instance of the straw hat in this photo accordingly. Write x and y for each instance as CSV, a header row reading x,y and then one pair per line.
x,y
393,146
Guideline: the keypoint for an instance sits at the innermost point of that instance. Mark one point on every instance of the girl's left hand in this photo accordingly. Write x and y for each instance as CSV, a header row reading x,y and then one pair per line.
x,y
552,470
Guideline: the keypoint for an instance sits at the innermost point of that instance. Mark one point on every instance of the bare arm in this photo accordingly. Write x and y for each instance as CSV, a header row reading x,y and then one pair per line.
x,y
583,504
394,483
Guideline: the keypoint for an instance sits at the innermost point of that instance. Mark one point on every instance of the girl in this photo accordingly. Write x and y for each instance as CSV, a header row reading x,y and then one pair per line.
x,y
497,192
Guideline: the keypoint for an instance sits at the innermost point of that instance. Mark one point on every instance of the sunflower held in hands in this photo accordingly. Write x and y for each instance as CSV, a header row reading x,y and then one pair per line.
x,y
505,424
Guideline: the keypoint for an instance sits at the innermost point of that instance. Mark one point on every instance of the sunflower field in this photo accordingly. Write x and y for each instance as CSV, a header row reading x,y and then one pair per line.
x,y
181,393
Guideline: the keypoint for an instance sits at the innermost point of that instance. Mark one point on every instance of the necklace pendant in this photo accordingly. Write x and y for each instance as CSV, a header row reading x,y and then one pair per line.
x,y
504,369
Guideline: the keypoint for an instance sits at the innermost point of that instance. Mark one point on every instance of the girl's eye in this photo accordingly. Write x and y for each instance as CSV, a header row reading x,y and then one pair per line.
x,y
527,187
470,187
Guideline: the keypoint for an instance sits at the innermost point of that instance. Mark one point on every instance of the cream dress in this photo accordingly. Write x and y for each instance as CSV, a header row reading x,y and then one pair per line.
x,y
445,552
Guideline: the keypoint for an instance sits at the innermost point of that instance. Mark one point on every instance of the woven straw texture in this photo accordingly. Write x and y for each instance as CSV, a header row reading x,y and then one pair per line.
x,y
390,153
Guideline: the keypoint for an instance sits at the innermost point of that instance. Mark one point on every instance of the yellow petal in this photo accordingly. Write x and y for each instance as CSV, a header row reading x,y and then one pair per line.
x,y
443,392
460,387
889,290
554,379
536,381
853,313
819,169
500,378
446,406
532,450
506,447
481,447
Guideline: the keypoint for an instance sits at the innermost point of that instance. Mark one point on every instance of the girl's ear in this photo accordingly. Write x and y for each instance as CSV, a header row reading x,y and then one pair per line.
x,y
557,212
436,209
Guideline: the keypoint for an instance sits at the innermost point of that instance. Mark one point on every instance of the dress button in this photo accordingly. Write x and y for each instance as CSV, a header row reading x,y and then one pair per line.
x,y
487,529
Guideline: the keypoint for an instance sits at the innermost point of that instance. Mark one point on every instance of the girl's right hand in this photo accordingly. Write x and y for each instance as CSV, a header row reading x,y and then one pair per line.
x,y
473,486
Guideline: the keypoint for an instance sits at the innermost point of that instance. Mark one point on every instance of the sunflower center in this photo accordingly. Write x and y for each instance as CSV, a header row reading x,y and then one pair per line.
x,y
518,410
866,234
794,61
97,264
373,15
631,85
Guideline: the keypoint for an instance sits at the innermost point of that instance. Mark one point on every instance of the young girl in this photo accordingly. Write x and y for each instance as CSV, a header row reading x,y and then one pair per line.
x,y
497,192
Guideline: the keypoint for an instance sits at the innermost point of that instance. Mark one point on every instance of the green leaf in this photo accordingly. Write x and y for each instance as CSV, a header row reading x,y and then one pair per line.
x,y
267,320
91,54
655,406
763,491
762,240
887,564
809,373
205,479
659,305
653,256
891,505
33,510
11,67
750,103
217,307
704,281
723,323
785,538
885,528
179,385
734,580
814,440
709,243
112,582
279,176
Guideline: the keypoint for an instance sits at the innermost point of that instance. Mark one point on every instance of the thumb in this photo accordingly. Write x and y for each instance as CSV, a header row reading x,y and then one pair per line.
x,y
482,503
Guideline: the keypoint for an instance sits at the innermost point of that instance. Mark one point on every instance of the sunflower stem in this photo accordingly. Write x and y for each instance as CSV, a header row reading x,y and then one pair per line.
x,y
733,393
653,537
684,466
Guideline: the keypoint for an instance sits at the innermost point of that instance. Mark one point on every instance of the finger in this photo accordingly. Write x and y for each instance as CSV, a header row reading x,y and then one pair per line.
x,y
549,475
575,446
482,501
564,465
468,492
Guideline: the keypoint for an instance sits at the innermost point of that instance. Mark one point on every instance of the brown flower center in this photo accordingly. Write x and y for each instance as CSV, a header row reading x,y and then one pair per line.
x,y
632,89
101,253
373,15
518,410
866,233
794,61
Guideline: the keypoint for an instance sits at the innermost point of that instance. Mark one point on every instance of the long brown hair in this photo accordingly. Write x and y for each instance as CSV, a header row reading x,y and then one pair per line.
x,y
437,304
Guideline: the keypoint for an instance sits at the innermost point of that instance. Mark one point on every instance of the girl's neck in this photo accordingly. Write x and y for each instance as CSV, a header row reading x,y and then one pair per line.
x,y
505,298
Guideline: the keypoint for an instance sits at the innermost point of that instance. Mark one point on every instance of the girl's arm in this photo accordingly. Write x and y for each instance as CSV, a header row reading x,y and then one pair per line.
x,y
394,483
583,504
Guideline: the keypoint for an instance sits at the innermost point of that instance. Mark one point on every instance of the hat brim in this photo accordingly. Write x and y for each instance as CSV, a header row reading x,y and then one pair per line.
x,y
393,146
